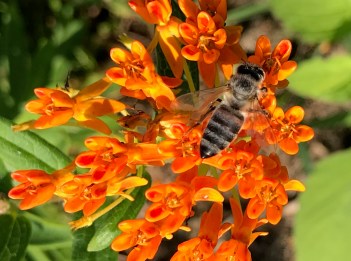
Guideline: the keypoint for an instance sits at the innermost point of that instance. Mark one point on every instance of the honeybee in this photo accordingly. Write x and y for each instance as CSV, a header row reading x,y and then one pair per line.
x,y
227,114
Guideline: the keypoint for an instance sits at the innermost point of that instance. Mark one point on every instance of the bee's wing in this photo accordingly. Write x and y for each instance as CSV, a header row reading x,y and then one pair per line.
x,y
198,103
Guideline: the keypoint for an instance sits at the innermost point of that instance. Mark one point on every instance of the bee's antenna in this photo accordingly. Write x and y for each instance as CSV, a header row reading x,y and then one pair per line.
x,y
66,86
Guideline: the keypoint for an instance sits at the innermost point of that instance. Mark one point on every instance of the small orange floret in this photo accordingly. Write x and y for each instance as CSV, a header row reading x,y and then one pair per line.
x,y
201,247
276,63
209,44
136,73
288,132
58,106
35,189
140,233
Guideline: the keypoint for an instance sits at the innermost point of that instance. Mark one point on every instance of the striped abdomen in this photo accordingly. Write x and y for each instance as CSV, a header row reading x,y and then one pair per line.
x,y
221,130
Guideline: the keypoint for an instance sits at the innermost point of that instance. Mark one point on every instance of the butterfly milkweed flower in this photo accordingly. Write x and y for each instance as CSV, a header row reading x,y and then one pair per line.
x,y
287,130
276,63
209,45
36,187
159,12
202,246
136,73
58,106
144,236
242,236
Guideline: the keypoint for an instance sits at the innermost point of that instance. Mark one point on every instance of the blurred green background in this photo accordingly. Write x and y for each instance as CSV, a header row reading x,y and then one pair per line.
x,y
42,41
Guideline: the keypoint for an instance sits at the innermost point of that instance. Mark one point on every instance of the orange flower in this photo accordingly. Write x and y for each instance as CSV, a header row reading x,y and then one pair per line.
x,y
287,132
35,189
240,167
81,193
209,45
184,146
201,247
242,236
137,75
159,12
275,64
172,202
271,195
57,107
216,8
140,233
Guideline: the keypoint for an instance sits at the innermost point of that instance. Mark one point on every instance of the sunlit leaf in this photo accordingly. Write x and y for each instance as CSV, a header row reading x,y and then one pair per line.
x,y
315,20
323,223
325,79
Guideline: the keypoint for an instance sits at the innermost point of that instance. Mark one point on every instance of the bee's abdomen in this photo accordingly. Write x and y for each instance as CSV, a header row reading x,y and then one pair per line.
x,y
221,130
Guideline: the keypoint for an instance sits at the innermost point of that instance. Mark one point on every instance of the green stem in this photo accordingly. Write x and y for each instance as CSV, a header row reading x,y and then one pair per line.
x,y
189,77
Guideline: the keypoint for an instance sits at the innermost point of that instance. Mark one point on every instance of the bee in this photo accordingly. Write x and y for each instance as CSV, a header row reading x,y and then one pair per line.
x,y
227,114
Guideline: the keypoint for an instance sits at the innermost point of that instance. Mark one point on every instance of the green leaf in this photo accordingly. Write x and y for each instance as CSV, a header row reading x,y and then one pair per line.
x,y
325,79
315,20
106,226
80,245
15,232
26,150
323,224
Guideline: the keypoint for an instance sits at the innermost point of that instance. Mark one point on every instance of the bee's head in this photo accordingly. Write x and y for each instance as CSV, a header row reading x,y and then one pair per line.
x,y
251,70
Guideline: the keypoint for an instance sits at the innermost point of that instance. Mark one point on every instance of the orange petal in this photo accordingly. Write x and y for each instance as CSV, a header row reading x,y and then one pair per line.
x,y
208,72
274,213
189,33
132,182
43,194
160,10
211,56
295,114
96,124
282,50
255,208
117,75
96,107
294,185
123,242
233,34
92,205
208,194
139,7
263,47
227,180
58,118
181,164
61,99
220,38
191,53
289,146
189,8
44,93
286,69
205,23
156,212
172,50
304,133
94,89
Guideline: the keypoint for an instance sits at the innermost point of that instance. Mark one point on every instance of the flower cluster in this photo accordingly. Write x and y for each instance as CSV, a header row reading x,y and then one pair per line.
x,y
113,165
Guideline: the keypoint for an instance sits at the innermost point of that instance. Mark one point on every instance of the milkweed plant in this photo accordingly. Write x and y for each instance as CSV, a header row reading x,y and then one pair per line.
x,y
190,40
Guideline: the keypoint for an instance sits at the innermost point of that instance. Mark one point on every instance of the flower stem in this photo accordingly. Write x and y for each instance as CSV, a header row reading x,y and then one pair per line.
x,y
189,77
